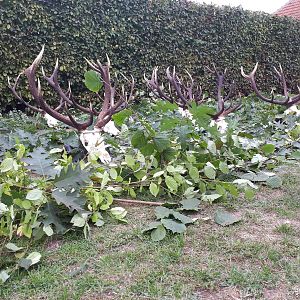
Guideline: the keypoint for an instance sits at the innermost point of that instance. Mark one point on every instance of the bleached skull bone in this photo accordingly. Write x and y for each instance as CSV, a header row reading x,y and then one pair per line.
x,y
93,142
220,123
185,113
111,128
51,122
293,110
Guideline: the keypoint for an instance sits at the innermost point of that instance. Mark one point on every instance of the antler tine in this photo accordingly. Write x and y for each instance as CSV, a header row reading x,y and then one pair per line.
x,y
53,82
287,101
155,87
282,79
172,80
33,67
13,88
252,74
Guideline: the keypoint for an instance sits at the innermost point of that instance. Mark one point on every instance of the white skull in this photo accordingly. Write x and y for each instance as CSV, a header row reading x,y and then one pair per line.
x,y
221,124
111,128
51,122
93,142
292,110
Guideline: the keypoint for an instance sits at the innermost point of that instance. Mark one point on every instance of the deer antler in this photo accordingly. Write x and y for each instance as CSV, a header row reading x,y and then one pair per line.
x,y
223,111
109,106
35,89
183,94
286,100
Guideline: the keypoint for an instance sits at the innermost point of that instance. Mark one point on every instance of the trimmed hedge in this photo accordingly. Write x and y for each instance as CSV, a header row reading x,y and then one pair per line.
x,y
140,34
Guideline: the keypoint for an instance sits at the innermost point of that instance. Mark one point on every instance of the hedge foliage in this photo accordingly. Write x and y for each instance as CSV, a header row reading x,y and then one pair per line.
x,y
140,34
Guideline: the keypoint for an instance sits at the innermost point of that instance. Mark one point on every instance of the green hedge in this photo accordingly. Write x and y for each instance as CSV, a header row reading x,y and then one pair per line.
x,y
140,34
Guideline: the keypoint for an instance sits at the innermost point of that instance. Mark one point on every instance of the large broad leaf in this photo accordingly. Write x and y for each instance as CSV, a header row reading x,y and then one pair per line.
x,y
161,143
210,172
41,163
32,259
13,248
51,217
158,233
92,81
34,195
162,212
139,140
190,204
3,276
225,218
121,116
73,201
71,177
174,226
274,182
182,218
268,148
151,226
202,114
154,189
171,184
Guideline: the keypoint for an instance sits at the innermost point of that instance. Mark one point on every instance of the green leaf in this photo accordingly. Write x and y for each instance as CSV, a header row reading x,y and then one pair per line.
x,y
130,161
72,200
249,193
4,276
194,173
162,212
158,233
32,259
268,148
48,230
223,167
161,143
113,173
8,164
296,154
34,195
121,116
118,213
154,189
92,81
211,147
164,106
138,140
209,172
151,226
78,221
169,123
174,226
210,198
190,204
171,184
225,218
71,177
51,216
182,218
41,163
12,247
274,182
148,149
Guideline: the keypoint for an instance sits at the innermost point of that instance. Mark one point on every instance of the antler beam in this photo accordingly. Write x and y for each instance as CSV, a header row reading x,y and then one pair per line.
x,y
285,100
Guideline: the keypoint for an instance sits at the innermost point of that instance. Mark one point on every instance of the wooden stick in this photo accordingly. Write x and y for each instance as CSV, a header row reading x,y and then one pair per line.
x,y
138,202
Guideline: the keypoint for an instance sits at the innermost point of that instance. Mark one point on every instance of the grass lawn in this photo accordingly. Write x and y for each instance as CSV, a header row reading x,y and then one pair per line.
x,y
258,258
